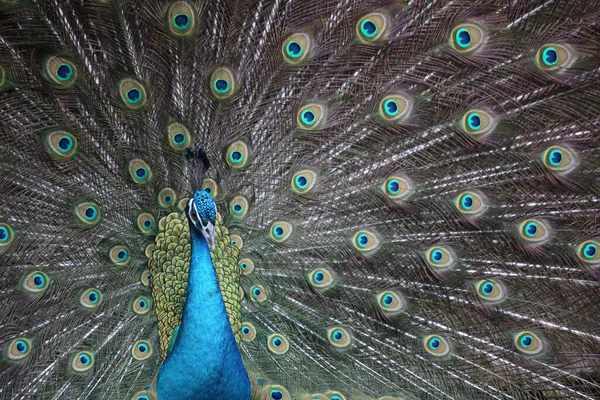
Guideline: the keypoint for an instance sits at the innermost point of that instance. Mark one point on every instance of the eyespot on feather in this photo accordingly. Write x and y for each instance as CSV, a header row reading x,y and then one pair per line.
x,y
553,57
365,241
88,213
477,122
141,350
339,337
141,305
19,348
132,93
145,277
439,257
91,298
296,48
246,265
210,186
534,231
320,278
528,343
303,181
275,392
470,203
436,345
311,116
278,344
390,301
36,282
238,206
396,187
61,71
119,255
139,171
60,144
394,107
82,361
6,236
258,293
589,251
248,332
490,290
179,136
559,159
145,222
222,83
467,37
236,240
167,197
280,231
372,27
181,18
237,154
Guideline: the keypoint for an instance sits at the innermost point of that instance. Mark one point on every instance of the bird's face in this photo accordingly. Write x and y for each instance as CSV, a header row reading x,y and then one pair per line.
x,y
201,211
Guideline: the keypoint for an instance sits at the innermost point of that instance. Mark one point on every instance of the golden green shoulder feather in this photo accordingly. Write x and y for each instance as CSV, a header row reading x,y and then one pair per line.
x,y
169,267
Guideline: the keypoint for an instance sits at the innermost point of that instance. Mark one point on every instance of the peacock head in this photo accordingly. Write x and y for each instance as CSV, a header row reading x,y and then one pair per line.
x,y
201,210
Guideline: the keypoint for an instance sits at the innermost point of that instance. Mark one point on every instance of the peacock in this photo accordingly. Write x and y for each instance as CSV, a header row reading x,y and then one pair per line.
x,y
299,199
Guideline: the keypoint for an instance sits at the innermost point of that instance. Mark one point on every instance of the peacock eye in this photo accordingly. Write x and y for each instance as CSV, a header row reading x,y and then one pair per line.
x,y
248,332
258,293
436,345
439,257
132,93
394,107
139,171
179,136
477,123
237,154
559,159
303,181
534,231
339,337
61,145
589,252
311,116
19,349
467,37
365,241
390,301
141,350
88,213
295,48
320,278
528,343
372,27
141,305
145,222
277,392
36,282
223,84
280,231
246,265
91,298
239,206
119,255
61,71
6,235
551,57
396,187
82,361
166,197
181,18
470,203
278,344
490,290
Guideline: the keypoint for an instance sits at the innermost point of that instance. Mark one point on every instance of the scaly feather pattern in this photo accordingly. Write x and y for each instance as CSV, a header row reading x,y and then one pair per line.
x,y
408,188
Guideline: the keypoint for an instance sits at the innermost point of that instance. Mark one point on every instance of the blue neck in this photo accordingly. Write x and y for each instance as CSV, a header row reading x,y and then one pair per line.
x,y
205,362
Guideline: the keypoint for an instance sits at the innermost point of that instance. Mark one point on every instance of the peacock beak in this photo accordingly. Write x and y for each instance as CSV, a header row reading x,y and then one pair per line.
x,y
209,234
